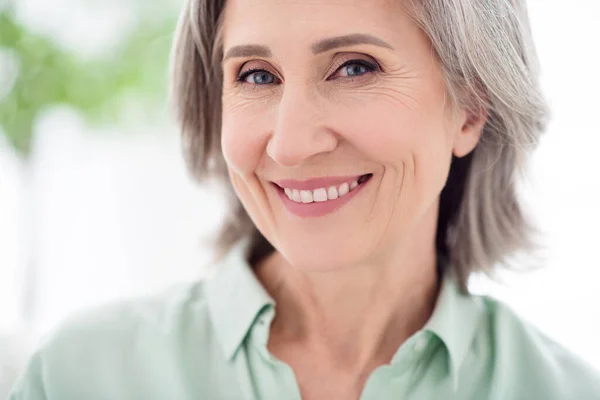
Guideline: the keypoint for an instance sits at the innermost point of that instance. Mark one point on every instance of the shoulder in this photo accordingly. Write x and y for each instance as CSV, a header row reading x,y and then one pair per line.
x,y
116,323
531,363
105,346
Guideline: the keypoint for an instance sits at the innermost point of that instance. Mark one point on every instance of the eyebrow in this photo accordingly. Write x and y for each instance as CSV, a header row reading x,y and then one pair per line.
x,y
321,46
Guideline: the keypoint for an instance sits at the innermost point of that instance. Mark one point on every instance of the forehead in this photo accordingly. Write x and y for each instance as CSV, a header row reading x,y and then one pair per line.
x,y
269,21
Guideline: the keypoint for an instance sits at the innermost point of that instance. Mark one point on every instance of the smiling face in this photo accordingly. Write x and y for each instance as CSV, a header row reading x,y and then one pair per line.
x,y
343,91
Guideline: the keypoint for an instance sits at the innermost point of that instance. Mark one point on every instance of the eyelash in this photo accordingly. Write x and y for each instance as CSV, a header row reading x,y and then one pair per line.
x,y
371,67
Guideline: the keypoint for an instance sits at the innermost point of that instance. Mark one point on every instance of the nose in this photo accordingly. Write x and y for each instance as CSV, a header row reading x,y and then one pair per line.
x,y
300,130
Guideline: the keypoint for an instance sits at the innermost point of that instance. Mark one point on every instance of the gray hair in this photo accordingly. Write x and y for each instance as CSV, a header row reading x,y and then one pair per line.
x,y
488,60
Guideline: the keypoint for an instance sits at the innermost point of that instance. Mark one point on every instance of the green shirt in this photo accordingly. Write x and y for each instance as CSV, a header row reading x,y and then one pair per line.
x,y
207,340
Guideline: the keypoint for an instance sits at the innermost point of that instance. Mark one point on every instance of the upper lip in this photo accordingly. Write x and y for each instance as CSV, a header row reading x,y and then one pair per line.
x,y
315,183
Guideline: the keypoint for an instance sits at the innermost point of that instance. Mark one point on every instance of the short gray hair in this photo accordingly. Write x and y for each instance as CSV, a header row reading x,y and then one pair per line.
x,y
489,61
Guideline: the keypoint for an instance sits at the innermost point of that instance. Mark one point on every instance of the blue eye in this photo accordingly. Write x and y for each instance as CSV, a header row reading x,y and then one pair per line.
x,y
259,77
357,67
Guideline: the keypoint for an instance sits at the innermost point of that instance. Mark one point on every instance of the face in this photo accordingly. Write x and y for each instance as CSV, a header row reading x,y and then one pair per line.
x,y
327,95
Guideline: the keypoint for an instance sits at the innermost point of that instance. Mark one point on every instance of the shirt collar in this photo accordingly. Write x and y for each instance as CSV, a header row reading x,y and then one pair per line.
x,y
236,298
454,321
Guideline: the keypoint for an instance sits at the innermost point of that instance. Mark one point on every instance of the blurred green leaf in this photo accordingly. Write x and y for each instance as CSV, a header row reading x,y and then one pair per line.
x,y
50,75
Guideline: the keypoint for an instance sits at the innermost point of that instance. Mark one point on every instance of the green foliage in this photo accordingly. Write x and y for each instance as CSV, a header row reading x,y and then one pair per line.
x,y
50,75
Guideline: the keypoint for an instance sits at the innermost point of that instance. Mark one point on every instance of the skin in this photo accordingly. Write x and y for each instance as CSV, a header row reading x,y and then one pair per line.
x,y
351,286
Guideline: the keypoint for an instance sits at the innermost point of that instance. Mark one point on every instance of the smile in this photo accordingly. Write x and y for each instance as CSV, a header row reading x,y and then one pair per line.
x,y
318,197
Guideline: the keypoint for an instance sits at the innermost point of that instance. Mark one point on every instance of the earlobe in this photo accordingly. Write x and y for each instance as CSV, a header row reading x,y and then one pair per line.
x,y
470,133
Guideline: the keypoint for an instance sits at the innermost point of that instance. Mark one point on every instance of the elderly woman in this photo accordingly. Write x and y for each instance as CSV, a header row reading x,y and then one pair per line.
x,y
371,148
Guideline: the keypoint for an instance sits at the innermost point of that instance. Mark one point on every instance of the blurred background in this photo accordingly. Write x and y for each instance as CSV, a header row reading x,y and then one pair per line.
x,y
96,203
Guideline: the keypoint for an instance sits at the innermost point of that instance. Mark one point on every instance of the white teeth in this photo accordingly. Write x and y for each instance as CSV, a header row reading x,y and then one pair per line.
x,y
332,193
344,189
306,196
320,195
296,196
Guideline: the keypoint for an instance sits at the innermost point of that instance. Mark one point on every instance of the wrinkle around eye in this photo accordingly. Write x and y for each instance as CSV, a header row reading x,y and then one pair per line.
x,y
405,86
397,97
238,98
401,90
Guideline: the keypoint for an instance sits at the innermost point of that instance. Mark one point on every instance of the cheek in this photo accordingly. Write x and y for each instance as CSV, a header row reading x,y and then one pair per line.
x,y
412,144
392,134
241,141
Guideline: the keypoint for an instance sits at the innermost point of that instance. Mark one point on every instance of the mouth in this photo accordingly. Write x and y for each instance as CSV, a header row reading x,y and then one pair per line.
x,y
318,197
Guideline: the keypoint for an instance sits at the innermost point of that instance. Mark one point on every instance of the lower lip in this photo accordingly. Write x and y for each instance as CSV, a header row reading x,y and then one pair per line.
x,y
318,209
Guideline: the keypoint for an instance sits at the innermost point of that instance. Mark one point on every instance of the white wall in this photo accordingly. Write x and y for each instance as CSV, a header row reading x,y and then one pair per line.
x,y
12,236
116,214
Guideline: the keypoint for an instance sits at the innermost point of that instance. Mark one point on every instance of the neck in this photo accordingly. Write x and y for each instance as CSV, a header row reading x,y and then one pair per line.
x,y
353,318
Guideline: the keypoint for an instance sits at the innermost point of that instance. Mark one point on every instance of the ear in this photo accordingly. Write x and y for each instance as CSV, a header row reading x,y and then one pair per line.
x,y
470,130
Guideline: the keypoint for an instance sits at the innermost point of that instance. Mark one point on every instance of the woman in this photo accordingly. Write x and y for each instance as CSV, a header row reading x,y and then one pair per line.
x,y
372,148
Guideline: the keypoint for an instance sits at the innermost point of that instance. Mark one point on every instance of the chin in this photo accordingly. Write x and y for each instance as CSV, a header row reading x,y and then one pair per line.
x,y
321,255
